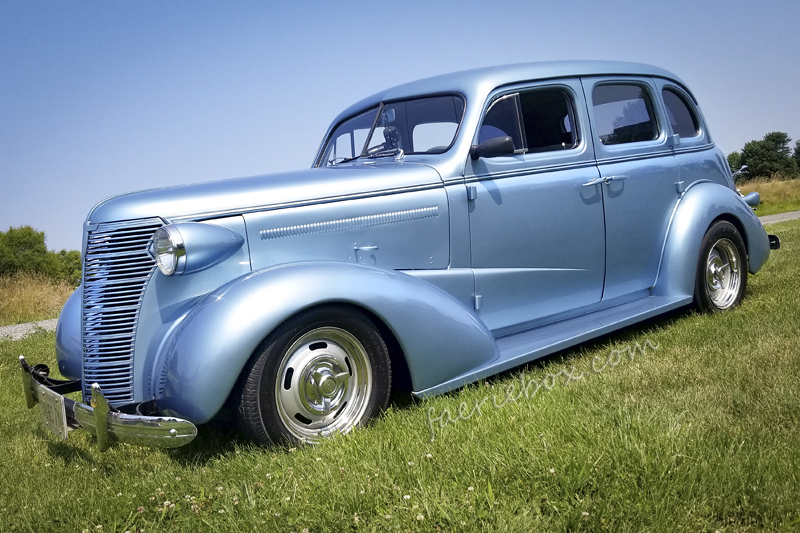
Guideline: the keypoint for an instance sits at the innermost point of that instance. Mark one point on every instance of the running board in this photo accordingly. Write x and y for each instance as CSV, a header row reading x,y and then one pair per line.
x,y
527,346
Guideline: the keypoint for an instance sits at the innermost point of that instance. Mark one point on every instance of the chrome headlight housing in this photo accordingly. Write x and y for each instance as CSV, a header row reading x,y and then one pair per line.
x,y
187,247
169,250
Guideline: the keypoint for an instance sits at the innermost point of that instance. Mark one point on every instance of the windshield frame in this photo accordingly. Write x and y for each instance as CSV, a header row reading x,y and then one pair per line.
x,y
328,145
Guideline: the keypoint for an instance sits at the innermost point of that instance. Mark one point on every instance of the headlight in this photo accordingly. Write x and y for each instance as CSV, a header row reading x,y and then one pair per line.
x,y
169,250
188,247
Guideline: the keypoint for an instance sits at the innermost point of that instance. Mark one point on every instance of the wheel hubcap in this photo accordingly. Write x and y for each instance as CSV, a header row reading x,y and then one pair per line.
x,y
324,383
723,278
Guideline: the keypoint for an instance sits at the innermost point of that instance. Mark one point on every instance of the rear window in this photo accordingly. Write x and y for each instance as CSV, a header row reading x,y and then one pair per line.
x,y
681,117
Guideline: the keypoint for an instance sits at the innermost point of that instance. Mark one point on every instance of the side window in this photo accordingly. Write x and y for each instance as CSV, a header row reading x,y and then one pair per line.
x,y
681,118
502,120
623,113
540,120
548,115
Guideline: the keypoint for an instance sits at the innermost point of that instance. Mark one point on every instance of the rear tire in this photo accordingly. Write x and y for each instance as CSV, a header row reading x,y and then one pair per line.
x,y
721,269
324,371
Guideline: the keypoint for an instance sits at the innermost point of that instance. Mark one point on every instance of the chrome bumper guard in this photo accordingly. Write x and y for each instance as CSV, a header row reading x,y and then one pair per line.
x,y
61,414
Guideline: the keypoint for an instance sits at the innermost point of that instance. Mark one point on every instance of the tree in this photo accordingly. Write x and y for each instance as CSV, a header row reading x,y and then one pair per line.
x,y
23,249
796,153
769,157
735,161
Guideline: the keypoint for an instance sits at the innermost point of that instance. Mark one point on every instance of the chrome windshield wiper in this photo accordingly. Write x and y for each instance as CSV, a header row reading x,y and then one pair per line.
x,y
346,159
398,152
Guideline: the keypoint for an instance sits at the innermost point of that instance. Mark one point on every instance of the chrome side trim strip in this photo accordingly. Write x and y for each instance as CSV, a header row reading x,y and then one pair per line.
x,y
273,207
350,223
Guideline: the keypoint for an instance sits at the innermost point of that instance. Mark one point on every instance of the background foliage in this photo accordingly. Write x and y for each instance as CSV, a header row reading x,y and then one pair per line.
x,y
23,251
769,158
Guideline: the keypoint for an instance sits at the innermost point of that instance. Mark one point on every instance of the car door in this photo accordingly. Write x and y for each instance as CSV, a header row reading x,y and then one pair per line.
x,y
536,231
639,179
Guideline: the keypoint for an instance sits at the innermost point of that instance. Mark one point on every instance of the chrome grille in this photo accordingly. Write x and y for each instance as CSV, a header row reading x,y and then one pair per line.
x,y
116,267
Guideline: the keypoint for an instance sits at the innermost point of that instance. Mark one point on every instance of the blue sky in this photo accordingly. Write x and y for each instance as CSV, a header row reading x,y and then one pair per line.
x,y
99,98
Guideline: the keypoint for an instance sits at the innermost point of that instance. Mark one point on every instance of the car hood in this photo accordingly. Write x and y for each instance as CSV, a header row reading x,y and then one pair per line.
x,y
232,196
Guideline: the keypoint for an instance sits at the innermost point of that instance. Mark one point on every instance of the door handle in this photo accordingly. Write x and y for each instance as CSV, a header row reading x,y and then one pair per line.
x,y
364,248
609,179
593,182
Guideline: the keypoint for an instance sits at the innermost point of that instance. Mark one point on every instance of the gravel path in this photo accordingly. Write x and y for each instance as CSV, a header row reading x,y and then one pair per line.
x,y
780,217
18,331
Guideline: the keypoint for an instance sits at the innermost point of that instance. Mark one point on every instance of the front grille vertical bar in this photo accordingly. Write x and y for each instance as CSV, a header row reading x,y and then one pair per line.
x,y
116,268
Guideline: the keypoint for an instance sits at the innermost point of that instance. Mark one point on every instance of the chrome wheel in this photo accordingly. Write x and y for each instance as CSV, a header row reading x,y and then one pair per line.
x,y
721,269
723,278
323,384
326,370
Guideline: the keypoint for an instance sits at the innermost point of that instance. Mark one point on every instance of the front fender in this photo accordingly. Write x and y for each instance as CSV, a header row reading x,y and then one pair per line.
x,y
439,336
69,351
695,212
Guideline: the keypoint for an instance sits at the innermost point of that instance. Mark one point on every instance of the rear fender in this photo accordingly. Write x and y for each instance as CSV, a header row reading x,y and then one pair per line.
x,y
439,336
699,207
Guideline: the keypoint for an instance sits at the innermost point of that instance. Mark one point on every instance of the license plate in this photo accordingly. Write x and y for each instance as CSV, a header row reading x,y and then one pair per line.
x,y
54,415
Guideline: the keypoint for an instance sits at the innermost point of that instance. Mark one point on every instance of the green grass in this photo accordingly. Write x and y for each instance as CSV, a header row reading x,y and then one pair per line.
x,y
700,434
780,196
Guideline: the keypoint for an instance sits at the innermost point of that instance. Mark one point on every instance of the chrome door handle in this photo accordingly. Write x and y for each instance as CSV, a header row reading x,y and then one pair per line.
x,y
364,248
609,179
593,182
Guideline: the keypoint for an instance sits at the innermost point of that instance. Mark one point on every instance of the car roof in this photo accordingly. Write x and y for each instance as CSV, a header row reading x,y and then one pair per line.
x,y
477,83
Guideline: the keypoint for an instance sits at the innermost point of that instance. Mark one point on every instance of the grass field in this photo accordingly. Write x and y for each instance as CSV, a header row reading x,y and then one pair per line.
x,y
776,196
697,429
31,297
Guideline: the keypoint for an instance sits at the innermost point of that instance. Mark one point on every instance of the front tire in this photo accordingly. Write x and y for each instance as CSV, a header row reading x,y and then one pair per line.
x,y
721,269
324,371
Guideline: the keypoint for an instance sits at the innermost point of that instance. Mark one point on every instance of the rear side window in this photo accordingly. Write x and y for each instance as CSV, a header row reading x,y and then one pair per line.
x,y
681,117
623,113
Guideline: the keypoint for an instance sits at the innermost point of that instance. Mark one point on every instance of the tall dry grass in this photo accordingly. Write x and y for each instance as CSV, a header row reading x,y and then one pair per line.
x,y
30,297
777,196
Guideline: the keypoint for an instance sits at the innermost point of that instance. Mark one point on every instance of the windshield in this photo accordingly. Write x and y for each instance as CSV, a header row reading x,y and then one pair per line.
x,y
418,126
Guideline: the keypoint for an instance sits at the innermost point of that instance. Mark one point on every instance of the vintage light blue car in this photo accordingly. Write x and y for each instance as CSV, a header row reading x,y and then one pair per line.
x,y
450,229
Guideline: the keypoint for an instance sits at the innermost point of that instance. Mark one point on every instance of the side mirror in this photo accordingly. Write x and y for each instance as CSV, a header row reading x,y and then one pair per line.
x,y
742,170
495,147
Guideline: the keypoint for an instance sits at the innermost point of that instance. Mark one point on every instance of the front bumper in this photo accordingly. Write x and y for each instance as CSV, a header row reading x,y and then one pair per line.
x,y
61,414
